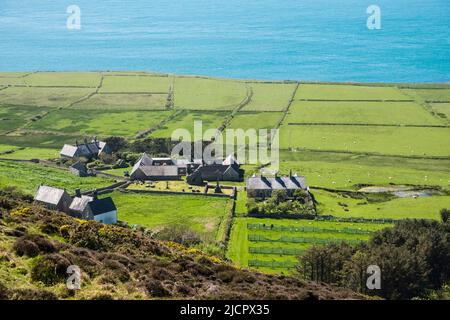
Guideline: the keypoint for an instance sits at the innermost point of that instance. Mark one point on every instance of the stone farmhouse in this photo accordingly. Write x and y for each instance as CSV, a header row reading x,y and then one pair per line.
x,y
155,169
228,170
81,206
88,150
260,187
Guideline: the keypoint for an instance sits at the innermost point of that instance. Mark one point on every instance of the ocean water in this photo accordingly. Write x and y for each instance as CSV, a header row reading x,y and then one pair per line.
x,y
254,39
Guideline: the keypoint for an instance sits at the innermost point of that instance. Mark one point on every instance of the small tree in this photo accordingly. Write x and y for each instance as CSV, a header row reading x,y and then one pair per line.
x,y
445,214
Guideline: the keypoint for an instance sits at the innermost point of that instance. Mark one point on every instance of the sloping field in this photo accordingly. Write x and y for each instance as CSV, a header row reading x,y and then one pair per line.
x,y
208,94
201,213
347,171
125,102
185,120
398,208
28,177
5,81
63,79
368,139
348,92
269,96
29,153
254,120
137,83
100,123
39,96
15,117
351,112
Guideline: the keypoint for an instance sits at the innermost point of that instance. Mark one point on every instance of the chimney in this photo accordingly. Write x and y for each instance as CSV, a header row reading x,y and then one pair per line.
x,y
85,141
290,173
76,142
95,194
78,193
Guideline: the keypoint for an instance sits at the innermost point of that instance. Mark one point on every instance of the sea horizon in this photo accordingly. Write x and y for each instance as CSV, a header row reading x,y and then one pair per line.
x,y
313,41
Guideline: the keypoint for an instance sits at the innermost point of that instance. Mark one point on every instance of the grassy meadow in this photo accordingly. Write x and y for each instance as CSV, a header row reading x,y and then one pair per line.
x,y
201,213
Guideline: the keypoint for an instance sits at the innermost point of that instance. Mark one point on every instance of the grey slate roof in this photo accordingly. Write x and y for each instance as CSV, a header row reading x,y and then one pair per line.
x,y
49,195
79,166
276,183
68,150
160,171
79,204
100,206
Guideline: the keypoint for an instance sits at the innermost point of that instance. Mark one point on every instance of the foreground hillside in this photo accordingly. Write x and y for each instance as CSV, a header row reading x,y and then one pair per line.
x,y
37,246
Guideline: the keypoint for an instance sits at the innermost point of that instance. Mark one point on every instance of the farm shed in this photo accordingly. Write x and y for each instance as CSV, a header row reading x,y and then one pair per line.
x,y
53,198
79,169
86,149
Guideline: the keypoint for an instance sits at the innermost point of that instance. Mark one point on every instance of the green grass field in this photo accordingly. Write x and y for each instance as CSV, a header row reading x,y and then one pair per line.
x,y
14,117
42,96
58,79
208,94
344,171
201,213
368,139
32,153
360,112
275,229
442,108
185,120
269,96
124,102
28,176
429,94
255,120
100,123
147,84
399,208
348,92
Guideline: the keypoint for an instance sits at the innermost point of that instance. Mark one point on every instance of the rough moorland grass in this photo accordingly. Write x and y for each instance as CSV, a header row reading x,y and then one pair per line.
x,y
124,102
398,208
155,211
185,120
238,248
348,92
136,84
360,112
100,123
255,120
208,94
269,96
76,79
28,177
382,140
51,97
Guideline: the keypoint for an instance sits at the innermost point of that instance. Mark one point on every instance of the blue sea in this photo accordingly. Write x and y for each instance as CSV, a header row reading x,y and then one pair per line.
x,y
253,39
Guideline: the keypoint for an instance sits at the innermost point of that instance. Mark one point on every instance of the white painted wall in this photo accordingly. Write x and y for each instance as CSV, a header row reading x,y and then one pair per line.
x,y
107,218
